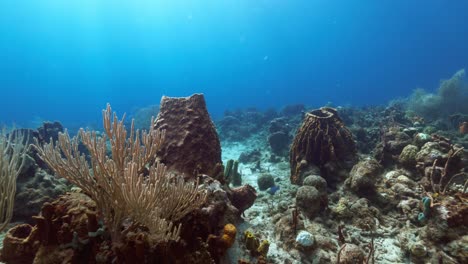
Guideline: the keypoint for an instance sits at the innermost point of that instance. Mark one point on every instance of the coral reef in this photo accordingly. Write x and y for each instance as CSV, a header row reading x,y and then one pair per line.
x,y
279,138
380,184
393,140
292,110
49,131
127,219
35,184
369,217
279,141
240,124
70,229
142,116
231,127
129,208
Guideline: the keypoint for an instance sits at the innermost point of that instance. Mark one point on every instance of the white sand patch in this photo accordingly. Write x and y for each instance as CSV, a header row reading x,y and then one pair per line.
x,y
258,219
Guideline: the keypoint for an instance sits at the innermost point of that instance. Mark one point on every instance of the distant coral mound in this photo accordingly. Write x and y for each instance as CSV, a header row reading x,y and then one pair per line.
x,y
142,116
451,98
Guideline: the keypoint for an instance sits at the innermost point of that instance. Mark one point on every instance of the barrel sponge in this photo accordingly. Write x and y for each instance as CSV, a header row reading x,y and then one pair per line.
x,y
321,138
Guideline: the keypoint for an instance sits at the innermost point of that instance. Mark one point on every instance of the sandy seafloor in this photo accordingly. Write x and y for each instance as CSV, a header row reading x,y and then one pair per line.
x,y
261,222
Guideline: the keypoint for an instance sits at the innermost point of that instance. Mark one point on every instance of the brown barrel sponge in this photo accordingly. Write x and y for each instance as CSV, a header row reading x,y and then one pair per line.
x,y
321,138
192,145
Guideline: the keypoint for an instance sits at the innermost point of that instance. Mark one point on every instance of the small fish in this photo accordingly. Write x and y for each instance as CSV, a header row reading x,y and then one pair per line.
x,y
273,190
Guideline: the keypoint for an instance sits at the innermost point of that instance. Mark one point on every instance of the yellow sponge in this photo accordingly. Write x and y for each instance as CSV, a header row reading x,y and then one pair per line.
x,y
229,235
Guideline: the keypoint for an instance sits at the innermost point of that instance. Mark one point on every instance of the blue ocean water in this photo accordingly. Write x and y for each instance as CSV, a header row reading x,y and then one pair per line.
x,y
64,60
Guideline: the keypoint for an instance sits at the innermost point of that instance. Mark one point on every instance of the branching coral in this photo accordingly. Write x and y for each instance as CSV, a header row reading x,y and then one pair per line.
x,y
12,151
125,185
446,175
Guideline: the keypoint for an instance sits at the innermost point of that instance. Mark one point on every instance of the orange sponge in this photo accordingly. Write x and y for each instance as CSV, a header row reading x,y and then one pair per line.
x,y
229,235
